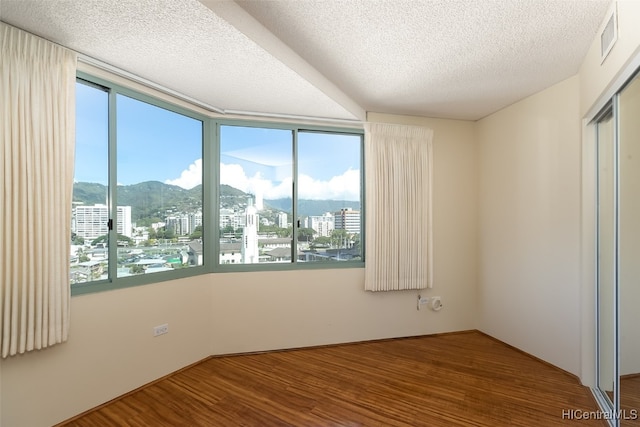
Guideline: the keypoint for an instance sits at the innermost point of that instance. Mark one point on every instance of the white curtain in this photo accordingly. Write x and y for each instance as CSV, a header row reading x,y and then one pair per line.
x,y
398,187
37,128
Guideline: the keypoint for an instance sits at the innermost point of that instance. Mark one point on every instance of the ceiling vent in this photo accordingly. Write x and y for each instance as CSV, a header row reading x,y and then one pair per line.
x,y
609,33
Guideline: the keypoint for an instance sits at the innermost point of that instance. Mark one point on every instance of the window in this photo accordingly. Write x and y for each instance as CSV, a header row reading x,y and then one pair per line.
x,y
147,171
256,169
329,196
90,214
159,191
265,218
138,194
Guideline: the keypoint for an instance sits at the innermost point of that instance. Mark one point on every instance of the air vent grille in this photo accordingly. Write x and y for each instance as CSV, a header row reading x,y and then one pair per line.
x,y
609,35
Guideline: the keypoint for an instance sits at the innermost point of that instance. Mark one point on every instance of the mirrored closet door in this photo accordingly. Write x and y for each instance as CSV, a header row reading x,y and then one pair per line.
x,y
629,253
606,244
618,256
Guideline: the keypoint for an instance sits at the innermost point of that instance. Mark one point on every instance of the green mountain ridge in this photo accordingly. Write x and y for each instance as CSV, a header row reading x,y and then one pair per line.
x,y
154,200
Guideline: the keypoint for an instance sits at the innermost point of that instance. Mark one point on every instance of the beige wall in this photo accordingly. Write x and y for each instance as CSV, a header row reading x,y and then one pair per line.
x,y
529,225
111,349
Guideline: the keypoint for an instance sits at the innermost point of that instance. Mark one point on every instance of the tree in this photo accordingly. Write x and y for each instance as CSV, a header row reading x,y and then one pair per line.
x,y
228,229
197,233
136,269
321,241
77,240
339,238
274,229
164,233
305,234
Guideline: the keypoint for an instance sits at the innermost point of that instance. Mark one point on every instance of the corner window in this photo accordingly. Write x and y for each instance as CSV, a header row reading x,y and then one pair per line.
x,y
162,192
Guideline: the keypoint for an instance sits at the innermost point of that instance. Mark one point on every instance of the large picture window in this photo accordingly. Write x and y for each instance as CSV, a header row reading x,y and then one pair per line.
x,y
148,175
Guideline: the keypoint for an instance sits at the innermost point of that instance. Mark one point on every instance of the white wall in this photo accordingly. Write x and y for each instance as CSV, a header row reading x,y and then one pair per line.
x,y
111,350
529,225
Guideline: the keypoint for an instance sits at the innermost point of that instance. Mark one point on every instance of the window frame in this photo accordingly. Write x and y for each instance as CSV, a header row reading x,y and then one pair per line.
x,y
294,264
211,125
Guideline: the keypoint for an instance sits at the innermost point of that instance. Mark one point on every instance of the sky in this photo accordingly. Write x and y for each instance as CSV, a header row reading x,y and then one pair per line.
x,y
160,145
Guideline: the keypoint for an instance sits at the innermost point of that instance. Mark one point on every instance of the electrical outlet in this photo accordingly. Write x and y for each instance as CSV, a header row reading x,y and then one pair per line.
x,y
161,329
422,301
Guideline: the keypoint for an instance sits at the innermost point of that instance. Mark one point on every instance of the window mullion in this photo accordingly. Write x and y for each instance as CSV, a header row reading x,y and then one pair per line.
x,y
211,186
112,240
294,199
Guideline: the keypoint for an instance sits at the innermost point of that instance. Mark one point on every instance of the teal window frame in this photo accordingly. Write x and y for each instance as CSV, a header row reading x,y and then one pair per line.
x,y
210,195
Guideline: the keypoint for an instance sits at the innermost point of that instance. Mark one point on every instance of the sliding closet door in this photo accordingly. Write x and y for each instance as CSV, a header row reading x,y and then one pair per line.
x,y
629,253
606,244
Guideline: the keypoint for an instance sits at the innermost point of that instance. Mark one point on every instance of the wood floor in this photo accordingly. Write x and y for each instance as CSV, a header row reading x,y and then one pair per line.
x,y
464,379
630,400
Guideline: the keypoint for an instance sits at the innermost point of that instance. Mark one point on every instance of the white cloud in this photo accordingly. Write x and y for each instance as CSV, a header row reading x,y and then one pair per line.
x,y
340,187
190,177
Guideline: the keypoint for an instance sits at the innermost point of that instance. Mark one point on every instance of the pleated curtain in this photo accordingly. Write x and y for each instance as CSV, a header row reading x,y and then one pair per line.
x,y
398,189
37,131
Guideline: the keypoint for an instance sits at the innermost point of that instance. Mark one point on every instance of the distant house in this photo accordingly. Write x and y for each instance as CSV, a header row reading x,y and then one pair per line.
x,y
230,253
272,243
281,254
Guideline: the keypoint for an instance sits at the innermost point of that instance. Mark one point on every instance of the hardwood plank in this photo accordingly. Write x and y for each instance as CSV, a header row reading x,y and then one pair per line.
x,y
462,379
630,400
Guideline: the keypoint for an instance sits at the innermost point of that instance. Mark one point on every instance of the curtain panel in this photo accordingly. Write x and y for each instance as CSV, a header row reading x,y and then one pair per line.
x,y
398,188
37,128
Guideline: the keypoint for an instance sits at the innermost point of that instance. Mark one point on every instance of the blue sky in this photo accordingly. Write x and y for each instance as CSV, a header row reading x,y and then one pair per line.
x,y
160,145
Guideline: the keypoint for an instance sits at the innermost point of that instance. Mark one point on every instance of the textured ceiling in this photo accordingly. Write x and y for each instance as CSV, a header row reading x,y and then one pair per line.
x,y
327,58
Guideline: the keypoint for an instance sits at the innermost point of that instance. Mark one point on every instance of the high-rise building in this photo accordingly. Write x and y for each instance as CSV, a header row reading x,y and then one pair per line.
x,y
229,217
347,219
323,225
195,219
91,222
282,220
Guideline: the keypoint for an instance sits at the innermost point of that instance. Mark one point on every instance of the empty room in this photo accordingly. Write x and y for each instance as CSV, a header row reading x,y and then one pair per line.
x,y
319,213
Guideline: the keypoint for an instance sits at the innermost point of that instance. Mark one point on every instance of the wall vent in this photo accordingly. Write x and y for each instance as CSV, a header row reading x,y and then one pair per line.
x,y
609,34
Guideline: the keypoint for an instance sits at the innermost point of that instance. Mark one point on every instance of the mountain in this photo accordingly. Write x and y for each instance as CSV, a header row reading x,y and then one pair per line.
x,y
89,193
154,200
308,207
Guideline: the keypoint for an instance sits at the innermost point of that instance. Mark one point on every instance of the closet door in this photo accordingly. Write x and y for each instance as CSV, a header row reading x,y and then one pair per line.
x,y
629,252
606,261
